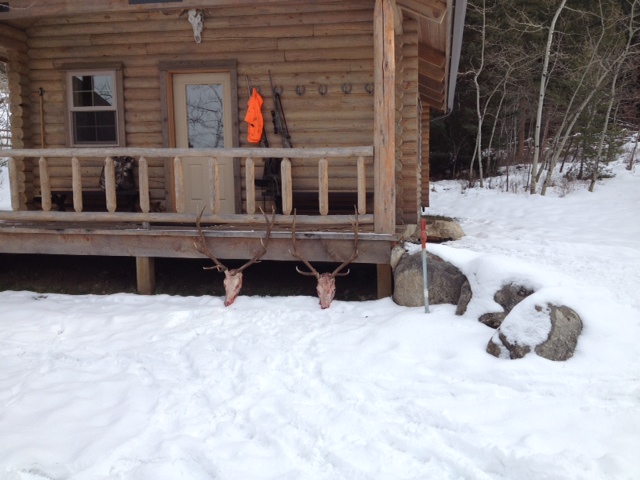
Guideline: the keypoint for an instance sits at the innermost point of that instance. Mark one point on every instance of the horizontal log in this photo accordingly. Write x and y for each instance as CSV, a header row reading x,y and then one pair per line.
x,y
366,151
325,42
324,53
177,218
319,66
330,247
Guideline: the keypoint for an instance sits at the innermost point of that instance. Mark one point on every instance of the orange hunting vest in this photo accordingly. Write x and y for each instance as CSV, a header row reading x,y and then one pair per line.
x,y
254,118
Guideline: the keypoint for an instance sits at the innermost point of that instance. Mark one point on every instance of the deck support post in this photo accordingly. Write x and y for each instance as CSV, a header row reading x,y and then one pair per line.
x,y
385,280
384,111
384,131
146,275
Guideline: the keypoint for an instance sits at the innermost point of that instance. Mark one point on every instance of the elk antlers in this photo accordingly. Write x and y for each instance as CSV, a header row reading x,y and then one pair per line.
x,y
232,278
326,281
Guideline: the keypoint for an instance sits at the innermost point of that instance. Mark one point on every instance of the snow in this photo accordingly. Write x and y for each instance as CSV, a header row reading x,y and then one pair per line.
x,y
167,387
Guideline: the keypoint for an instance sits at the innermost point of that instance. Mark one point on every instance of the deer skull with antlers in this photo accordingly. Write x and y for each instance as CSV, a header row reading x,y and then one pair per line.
x,y
232,277
326,281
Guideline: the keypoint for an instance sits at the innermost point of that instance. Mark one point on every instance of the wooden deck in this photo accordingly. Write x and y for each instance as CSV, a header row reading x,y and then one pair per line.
x,y
322,237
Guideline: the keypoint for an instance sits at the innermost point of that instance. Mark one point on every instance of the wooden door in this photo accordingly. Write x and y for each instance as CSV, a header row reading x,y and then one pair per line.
x,y
203,119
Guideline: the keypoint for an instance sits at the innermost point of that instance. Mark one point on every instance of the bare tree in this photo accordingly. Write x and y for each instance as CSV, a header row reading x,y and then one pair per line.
x,y
632,31
544,81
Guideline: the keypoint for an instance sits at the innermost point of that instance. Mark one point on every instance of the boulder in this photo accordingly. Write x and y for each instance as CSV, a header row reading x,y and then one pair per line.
x,y
465,298
551,331
443,229
507,297
445,281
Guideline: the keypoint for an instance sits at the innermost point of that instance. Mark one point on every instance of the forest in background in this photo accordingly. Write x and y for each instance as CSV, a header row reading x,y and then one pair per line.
x,y
547,85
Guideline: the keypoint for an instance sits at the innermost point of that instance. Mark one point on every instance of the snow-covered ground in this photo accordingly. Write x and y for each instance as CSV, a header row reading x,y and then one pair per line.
x,y
136,388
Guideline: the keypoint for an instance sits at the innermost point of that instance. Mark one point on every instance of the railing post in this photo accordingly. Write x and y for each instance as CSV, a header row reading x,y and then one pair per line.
x,y
287,186
14,184
250,188
323,186
76,184
178,174
214,184
143,182
110,184
45,186
362,187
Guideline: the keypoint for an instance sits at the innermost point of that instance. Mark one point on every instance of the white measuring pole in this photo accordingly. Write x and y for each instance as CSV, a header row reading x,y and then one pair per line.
x,y
423,237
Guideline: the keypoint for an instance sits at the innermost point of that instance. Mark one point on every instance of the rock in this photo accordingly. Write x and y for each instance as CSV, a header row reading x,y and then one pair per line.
x,y
493,319
510,295
566,326
445,281
505,349
397,253
524,331
465,298
507,297
443,229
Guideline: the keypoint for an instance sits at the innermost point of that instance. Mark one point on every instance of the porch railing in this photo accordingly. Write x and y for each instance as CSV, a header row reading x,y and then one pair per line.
x,y
320,156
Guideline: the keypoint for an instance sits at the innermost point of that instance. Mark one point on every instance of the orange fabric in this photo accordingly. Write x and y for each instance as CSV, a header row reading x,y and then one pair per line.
x,y
254,118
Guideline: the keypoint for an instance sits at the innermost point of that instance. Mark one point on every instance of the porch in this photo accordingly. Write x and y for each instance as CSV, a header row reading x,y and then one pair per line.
x,y
144,234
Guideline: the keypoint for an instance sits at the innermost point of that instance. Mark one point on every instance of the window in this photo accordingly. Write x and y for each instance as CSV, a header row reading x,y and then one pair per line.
x,y
93,108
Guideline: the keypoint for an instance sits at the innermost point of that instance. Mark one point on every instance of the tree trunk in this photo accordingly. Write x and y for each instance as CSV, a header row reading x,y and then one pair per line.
x,y
543,86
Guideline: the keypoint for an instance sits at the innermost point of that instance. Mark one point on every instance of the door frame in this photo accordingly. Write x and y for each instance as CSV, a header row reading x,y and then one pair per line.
x,y
167,71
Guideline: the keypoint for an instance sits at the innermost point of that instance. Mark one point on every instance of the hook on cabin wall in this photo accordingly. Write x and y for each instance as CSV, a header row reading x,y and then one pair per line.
x,y
368,88
300,89
346,88
323,89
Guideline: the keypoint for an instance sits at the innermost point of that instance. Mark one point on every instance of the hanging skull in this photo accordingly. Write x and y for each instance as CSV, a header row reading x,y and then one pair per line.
x,y
197,22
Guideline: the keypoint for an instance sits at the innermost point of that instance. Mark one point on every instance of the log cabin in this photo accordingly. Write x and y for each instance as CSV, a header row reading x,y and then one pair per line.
x,y
168,83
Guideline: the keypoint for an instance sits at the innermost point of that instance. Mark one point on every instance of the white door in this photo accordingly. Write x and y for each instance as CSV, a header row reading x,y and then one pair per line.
x,y
202,119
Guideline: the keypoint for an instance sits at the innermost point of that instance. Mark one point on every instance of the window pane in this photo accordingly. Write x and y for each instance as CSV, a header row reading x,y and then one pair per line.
x,y
204,116
95,127
92,90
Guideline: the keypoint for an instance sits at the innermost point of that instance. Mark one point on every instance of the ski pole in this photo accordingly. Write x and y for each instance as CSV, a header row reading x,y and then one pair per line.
x,y
423,237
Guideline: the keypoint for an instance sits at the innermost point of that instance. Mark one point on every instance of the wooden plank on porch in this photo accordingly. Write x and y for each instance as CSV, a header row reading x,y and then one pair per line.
x,y
316,247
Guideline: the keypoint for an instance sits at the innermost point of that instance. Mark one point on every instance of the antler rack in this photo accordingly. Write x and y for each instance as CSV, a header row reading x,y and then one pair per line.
x,y
201,246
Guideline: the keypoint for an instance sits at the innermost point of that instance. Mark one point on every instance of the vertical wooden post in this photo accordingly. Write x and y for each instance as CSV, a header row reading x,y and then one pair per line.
x,y
76,184
214,184
143,184
323,186
385,280
110,184
362,187
384,117
45,186
287,186
178,174
250,187
14,186
145,275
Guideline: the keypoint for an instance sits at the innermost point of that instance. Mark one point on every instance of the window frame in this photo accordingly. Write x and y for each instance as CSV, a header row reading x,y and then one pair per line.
x,y
115,71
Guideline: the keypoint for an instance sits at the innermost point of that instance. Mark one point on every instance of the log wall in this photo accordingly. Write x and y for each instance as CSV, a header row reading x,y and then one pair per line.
x,y
325,50
14,54
407,129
